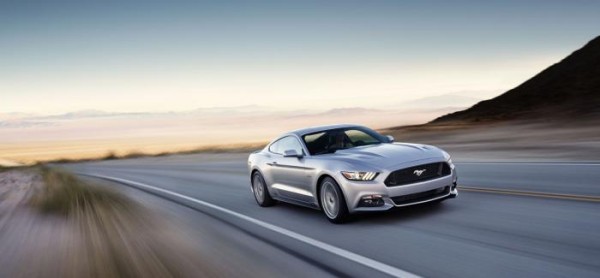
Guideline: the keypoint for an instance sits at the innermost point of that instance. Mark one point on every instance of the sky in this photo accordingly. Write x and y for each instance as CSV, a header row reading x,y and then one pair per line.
x,y
128,56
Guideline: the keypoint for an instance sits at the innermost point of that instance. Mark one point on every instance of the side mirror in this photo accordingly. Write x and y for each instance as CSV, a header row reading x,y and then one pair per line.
x,y
390,137
292,153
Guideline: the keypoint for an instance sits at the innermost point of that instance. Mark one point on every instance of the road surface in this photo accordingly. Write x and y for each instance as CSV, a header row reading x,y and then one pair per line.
x,y
511,219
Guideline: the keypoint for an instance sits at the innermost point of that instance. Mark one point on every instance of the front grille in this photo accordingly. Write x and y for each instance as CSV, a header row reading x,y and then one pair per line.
x,y
421,196
418,174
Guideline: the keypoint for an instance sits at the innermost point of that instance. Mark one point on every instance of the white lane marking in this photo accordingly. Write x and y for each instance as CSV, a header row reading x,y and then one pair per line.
x,y
379,266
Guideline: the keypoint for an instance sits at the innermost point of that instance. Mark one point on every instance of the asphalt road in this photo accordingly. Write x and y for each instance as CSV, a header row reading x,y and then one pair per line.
x,y
487,233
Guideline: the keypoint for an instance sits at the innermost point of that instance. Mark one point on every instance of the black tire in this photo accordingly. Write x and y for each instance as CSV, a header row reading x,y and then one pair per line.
x,y
332,201
260,191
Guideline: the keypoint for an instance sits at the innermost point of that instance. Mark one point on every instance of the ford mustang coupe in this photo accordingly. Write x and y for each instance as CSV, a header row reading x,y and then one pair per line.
x,y
343,169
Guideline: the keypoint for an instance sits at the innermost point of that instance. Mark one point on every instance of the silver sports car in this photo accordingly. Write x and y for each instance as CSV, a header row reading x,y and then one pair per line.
x,y
342,169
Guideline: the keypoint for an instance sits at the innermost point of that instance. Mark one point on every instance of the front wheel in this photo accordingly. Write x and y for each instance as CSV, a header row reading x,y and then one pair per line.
x,y
333,202
261,194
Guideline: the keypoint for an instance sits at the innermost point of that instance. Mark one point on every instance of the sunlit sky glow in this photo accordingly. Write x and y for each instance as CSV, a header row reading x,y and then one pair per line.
x,y
61,56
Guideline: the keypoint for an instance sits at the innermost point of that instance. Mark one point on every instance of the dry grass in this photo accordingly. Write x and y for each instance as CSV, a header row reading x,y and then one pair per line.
x,y
67,195
113,236
111,155
238,148
21,167
509,140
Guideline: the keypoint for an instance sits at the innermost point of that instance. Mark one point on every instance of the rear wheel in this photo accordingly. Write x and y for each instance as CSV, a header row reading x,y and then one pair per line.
x,y
333,202
261,194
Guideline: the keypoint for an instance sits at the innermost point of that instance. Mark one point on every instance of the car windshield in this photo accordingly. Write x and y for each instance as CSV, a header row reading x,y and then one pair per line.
x,y
329,141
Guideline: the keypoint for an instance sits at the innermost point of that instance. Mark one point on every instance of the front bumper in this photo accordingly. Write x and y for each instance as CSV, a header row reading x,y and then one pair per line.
x,y
397,196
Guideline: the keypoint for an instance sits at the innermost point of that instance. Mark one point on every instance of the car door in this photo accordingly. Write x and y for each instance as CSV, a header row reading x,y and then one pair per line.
x,y
290,175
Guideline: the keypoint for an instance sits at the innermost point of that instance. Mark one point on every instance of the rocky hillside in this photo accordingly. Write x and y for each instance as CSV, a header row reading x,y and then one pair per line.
x,y
569,89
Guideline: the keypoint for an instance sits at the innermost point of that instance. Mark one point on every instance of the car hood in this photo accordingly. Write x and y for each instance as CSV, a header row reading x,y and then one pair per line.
x,y
388,155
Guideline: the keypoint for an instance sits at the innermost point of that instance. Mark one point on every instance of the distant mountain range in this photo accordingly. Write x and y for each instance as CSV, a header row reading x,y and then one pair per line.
x,y
567,90
92,113
434,104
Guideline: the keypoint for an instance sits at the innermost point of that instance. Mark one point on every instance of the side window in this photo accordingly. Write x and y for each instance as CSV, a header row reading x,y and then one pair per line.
x,y
284,144
290,143
274,148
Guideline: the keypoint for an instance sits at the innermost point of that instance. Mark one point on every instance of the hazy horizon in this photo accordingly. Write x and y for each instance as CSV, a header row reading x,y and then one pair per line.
x,y
451,100
86,134
80,78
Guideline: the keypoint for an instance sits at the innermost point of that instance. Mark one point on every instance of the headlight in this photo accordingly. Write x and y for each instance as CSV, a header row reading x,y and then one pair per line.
x,y
360,176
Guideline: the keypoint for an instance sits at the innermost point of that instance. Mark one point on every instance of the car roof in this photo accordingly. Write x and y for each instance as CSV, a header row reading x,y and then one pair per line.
x,y
304,131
